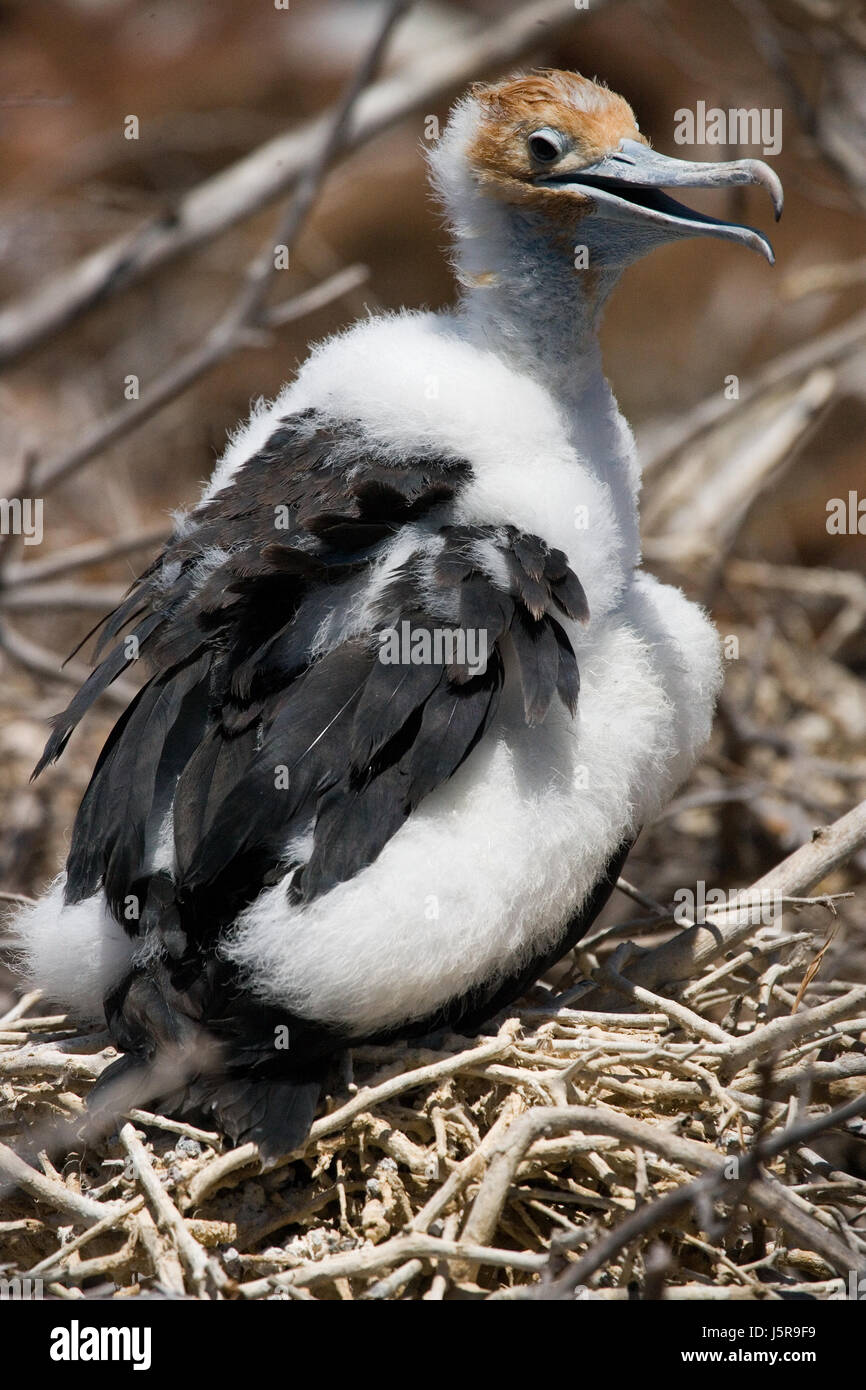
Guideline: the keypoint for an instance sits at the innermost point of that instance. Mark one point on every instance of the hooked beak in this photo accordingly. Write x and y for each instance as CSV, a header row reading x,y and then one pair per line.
x,y
627,185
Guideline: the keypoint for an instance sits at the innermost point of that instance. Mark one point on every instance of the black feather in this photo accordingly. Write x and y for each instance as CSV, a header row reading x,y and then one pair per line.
x,y
538,655
206,783
136,787
568,595
97,682
532,554
309,738
86,861
391,694
357,818
568,675
274,1114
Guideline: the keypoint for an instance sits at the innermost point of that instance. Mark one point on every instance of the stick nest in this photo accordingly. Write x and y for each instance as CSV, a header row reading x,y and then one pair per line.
x,y
484,1167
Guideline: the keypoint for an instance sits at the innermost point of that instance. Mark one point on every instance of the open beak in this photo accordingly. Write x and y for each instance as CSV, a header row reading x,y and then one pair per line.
x,y
628,184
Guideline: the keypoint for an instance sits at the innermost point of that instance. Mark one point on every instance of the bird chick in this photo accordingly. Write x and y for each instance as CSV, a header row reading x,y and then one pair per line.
x,y
411,696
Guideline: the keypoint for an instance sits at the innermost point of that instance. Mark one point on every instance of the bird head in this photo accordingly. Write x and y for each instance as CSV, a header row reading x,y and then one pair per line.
x,y
563,154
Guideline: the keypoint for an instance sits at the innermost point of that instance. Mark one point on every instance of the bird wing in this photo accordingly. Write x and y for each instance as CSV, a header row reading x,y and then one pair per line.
x,y
272,734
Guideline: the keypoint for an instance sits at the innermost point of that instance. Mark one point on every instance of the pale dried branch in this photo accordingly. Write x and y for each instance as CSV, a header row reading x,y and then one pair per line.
x,y
689,952
269,172
200,1268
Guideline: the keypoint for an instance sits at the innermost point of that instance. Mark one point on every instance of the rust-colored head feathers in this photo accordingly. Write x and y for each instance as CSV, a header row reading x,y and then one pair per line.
x,y
589,119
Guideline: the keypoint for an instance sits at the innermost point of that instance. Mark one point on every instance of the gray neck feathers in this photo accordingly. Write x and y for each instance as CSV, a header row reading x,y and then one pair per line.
x,y
525,299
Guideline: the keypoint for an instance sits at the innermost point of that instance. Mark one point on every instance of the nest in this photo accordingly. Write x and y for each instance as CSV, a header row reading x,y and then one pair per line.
x,y
640,1145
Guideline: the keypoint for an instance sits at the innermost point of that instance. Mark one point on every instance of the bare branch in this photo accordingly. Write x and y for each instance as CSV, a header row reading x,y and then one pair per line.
x,y
270,171
691,950
80,556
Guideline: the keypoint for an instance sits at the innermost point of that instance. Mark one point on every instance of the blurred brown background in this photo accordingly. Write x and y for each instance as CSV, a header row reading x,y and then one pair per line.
x,y
211,80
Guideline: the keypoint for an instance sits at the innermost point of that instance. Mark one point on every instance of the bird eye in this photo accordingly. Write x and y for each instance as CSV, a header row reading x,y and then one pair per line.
x,y
545,146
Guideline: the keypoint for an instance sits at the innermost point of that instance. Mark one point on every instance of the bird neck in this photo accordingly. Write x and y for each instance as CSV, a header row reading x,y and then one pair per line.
x,y
524,300
528,298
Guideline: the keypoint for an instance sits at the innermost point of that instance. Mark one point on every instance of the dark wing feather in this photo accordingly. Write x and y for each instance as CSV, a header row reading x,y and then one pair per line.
x,y
159,740
96,684
206,783
538,655
85,864
358,816
390,697
567,675
305,751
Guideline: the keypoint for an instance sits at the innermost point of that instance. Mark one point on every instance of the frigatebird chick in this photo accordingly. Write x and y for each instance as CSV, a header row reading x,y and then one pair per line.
x,y
411,697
